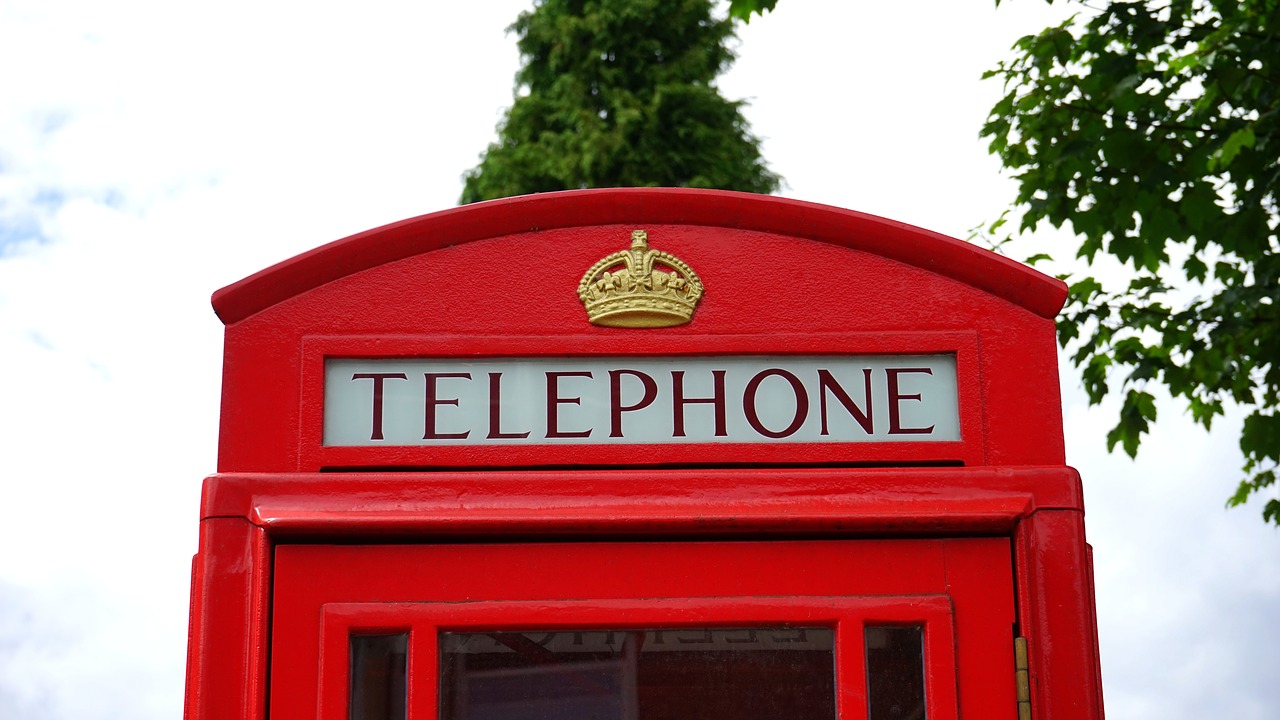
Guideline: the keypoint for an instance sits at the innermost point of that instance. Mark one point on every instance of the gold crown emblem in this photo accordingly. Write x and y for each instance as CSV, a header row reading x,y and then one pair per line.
x,y
628,288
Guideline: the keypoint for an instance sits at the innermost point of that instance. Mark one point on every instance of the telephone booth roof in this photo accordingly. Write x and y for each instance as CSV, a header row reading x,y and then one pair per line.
x,y
931,251
500,281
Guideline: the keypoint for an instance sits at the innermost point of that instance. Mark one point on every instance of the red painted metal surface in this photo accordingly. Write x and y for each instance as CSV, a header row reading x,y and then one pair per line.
x,y
860,504
757,214
783,278
226,667
645,502
1057,601
424,619
499,279
548,586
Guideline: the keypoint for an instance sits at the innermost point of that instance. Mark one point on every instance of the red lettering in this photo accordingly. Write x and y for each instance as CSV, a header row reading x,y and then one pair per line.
x,y
554,401
378,379
678,402
495,410
749,403
616,408
895,422
826,381
432,402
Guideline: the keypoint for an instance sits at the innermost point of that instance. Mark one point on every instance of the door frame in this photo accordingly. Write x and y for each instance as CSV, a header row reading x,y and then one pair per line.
x,y
848,616
758,582
246,515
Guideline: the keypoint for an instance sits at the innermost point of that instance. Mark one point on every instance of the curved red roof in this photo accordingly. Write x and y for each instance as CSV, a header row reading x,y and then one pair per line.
x,y
975,266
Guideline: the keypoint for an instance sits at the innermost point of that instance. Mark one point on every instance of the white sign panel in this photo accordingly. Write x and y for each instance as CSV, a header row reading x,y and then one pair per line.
x,y
651,400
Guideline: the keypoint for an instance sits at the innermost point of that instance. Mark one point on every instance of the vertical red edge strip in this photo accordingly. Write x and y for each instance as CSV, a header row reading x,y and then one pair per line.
x,y
851,664
1056,614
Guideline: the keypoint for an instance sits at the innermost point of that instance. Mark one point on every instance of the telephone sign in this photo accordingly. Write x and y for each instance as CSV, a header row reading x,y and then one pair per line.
x,y
650,401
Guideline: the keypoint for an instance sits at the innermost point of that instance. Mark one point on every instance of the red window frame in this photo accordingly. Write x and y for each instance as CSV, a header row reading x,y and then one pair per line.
x,y
847,616
960,590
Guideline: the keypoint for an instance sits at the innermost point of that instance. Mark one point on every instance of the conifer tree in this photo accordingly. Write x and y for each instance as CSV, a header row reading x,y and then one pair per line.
x,y
618,93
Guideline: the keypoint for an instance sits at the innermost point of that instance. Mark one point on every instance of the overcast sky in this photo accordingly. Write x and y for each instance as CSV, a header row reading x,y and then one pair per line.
x,y
153,151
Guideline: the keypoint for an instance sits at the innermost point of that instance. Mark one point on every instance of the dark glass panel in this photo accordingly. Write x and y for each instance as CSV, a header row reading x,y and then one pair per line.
x,y
378,670
659,674
895,673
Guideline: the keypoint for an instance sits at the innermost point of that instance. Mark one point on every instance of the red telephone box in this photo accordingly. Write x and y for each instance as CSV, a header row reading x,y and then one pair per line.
x,y
641,454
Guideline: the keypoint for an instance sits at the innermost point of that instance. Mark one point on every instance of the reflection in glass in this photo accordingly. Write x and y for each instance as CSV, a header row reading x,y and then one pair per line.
x,y
663,674
895,673
378,670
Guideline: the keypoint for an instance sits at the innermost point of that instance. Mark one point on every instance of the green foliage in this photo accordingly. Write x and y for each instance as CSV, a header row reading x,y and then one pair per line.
x,y
616,93
1152,129
744,9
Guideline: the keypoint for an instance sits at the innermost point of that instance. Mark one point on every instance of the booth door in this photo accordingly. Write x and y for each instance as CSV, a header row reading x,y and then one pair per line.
x,y
802,630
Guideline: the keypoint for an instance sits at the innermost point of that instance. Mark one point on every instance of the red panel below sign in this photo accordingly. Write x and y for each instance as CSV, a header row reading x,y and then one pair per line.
x,y
845,584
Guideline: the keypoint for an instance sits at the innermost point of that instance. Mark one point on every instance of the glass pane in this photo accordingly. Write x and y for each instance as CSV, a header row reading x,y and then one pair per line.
x,y
378,668
895,673
660,674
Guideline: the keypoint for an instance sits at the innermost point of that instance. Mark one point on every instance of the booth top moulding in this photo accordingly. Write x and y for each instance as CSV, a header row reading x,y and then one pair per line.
x,y
640,327
748,212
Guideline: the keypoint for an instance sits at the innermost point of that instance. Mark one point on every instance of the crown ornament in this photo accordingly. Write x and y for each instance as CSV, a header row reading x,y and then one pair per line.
x,y
640,288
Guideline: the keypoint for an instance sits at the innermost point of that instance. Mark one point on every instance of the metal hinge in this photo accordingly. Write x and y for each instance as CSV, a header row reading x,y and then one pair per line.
x,y
1022,676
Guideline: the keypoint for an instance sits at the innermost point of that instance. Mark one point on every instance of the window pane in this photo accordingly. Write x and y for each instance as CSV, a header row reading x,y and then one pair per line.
x,y
659,674
378,668
895,673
